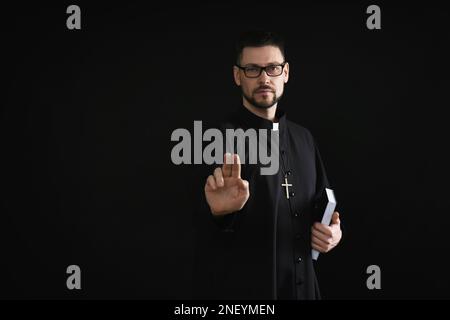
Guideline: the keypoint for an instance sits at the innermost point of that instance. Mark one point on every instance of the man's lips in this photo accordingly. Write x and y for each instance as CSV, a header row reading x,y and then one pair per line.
x,y
264,90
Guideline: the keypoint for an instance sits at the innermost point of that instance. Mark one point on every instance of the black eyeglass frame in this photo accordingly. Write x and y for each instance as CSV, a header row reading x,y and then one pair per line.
x,y
261,69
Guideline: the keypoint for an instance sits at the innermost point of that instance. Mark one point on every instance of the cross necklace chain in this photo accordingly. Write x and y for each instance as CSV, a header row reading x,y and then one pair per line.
x,y
286,183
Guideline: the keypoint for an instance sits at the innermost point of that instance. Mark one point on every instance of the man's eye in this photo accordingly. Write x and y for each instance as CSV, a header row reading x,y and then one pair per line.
x,y
252,69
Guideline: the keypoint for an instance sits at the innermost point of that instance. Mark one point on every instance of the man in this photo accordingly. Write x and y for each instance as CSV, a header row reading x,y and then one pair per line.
x,y
255,232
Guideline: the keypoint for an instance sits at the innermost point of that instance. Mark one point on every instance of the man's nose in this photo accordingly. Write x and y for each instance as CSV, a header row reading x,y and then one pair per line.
x,y
263,77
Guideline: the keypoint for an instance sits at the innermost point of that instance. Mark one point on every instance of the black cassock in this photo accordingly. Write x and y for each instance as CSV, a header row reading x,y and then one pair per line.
x,y
264,250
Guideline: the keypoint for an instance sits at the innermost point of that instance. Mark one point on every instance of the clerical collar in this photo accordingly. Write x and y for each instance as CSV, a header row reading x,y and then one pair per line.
x,y
251,120
248,119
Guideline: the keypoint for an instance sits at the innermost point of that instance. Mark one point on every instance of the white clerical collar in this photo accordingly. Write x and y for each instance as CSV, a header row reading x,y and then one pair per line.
x,y
275,126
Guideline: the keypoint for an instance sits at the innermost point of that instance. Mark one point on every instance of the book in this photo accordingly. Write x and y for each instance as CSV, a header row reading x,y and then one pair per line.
x,y
323,211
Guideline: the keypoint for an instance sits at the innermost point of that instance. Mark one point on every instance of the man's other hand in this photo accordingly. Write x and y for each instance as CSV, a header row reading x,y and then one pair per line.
x,y
323,237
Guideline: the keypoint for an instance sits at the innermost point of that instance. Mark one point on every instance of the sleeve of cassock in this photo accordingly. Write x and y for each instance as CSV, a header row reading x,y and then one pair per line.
x,y
322,180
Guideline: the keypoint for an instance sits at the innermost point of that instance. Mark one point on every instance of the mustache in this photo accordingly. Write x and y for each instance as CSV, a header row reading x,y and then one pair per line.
x,y
264,88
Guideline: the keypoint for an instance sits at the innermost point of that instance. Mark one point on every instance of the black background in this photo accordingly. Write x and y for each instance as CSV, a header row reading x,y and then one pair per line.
x,y
87,176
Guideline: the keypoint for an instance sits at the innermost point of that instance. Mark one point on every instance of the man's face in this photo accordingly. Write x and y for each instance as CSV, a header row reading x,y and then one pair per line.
x,y
263,91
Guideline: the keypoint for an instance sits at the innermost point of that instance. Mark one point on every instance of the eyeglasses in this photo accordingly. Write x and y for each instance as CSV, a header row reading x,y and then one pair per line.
x,y
253,71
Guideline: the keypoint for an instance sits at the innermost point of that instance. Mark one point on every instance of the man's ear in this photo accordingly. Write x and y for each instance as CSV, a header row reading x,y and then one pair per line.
x,y
286,72
236,75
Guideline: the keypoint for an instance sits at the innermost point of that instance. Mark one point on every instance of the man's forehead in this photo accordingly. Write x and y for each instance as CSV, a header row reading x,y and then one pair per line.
x,y
261,55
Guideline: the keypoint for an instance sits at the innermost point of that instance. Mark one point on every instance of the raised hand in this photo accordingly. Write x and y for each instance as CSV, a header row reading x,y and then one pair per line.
x,y
225,191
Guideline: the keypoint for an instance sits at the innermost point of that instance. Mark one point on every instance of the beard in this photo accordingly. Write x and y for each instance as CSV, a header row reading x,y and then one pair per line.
x,y
263,104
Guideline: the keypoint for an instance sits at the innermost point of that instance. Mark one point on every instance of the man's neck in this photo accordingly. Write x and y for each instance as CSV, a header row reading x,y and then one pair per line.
x,y
268,113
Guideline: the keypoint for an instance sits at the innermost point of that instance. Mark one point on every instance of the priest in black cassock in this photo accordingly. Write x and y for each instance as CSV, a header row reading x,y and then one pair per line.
x,y
254,233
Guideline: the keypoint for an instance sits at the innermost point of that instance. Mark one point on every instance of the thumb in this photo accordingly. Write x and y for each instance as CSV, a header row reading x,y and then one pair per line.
x,y
243,184
335,218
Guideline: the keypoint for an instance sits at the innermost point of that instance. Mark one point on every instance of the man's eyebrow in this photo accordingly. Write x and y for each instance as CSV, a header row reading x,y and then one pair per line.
x,y
258,65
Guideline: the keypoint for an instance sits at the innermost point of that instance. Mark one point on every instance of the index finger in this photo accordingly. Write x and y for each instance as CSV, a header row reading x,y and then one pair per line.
x,y
236,169
323,228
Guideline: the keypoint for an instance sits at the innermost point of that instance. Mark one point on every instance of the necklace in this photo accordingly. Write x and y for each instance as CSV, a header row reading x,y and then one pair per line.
x,y
286,172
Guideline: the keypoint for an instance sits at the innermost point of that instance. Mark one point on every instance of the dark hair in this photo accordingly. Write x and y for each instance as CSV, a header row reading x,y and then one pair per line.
x,y
258,39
